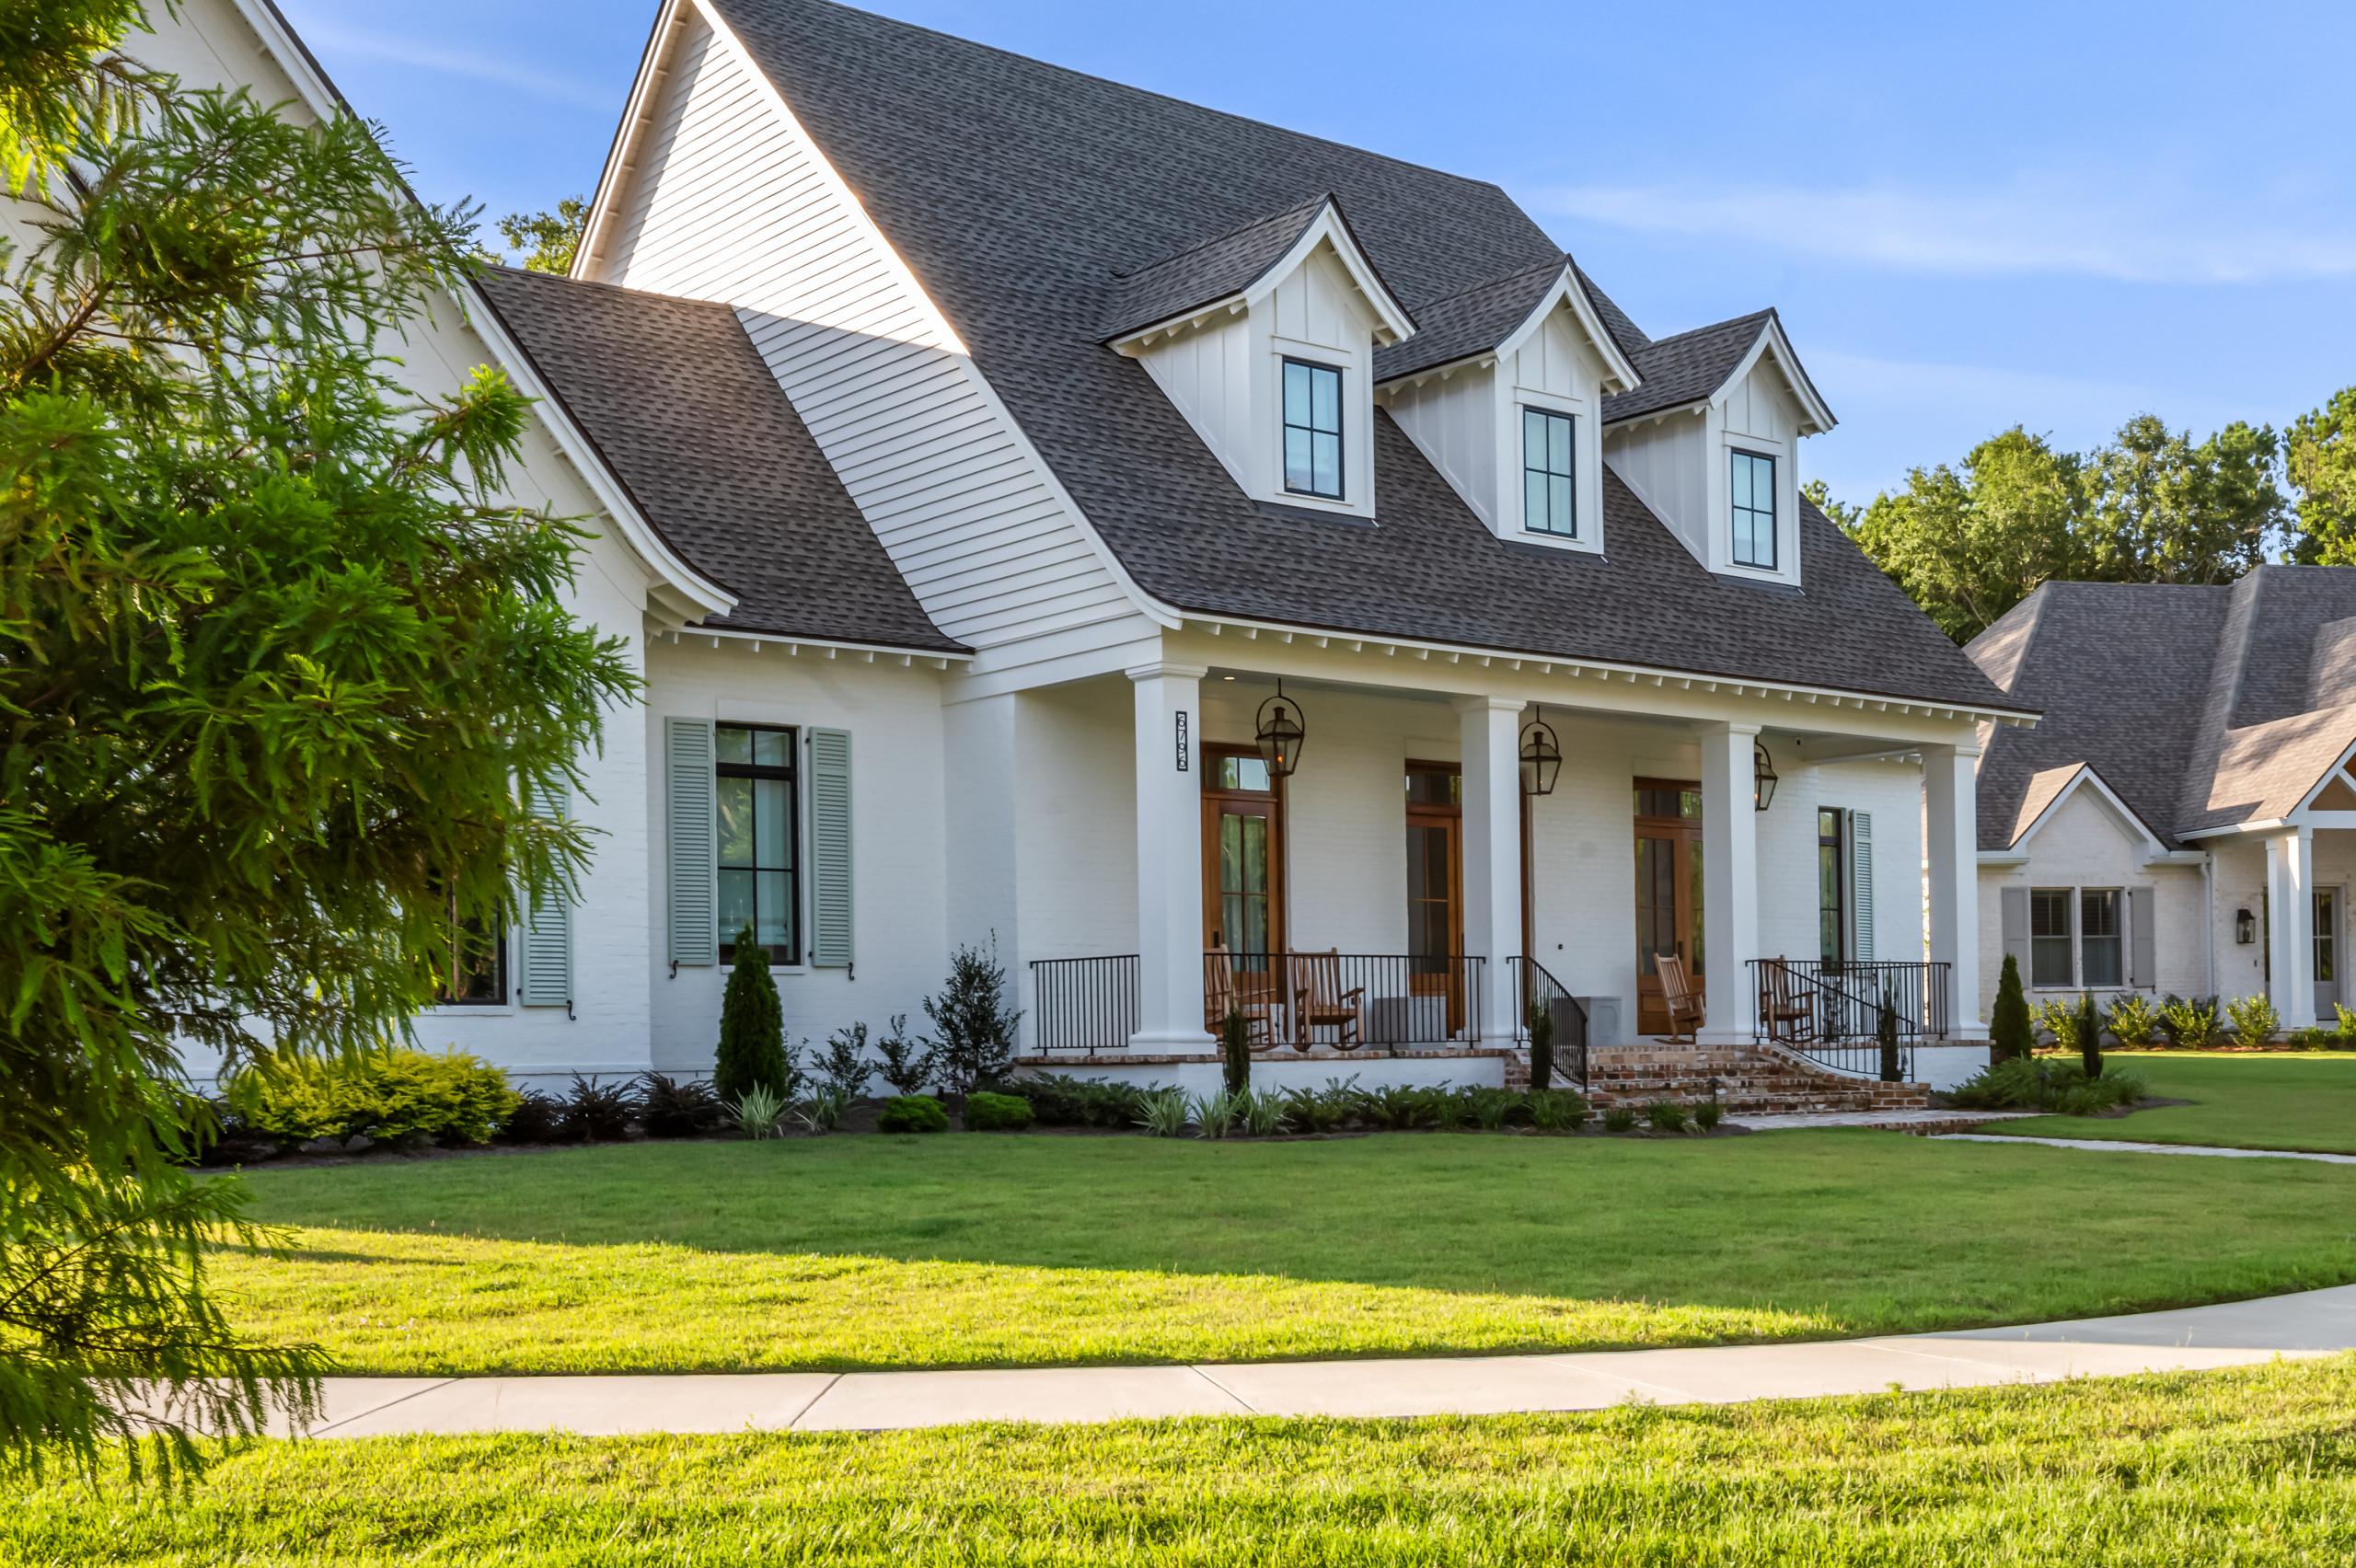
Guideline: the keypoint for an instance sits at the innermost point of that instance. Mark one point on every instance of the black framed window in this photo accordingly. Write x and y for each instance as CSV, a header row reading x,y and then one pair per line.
x,y
759,882
1753,479
2050,959
1548,503
475,973
1832,888
1314,429
2098,939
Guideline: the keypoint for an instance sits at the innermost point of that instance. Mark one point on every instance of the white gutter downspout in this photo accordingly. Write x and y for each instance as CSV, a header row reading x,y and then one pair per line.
x,y
2209,914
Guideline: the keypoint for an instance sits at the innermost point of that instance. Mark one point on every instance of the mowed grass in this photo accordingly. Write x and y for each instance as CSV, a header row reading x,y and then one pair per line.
x,y
2251,1466
963,1250
2302,1101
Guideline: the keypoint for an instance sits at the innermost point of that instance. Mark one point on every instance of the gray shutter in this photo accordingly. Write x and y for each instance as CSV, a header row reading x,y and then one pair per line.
x,y
830,946
2014,904
547,928
694,849
2142,931
1861,880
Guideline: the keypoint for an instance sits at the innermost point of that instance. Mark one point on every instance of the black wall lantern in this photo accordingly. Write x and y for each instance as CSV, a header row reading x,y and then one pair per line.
x,y
1763,775
1280,734
1541,757
2245,927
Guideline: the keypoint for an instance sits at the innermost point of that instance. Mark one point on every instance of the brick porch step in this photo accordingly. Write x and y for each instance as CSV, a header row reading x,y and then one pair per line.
x,y
1756,1080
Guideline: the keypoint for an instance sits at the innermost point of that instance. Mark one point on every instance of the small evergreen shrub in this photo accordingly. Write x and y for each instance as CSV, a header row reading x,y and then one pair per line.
x,y
824,1111
976,1028
1556,1110
912,1113
997,1113
2090,1022
668,1108
751,1028
390,1097
2010,1030
2190,1025
1493,1109
1059,1102
1399,1107
1885,1036
844,1066
1235,1051
1708,1115
2344,1037
1620,1119
2059,1019
597,1112
1264,1114
2133,1020
1666,1116
536,1119
2253,1019
2062,1088
1540,1017
905,1067
1324,1109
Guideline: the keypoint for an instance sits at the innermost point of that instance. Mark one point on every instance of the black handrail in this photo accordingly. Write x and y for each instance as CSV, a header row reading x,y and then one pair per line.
x,y
1535,988
1835,1012
1084,1004
1349,1000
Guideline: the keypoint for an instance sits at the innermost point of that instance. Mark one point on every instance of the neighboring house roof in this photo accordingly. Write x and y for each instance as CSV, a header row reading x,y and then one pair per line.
x,y
1203,273
691,424
1017,191
2202,706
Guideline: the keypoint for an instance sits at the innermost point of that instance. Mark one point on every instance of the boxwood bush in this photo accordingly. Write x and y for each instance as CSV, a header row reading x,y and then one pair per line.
x,y
399,1097
913,1114
996,1112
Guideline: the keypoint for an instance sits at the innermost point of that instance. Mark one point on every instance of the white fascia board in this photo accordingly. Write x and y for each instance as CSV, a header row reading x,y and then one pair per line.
x,y
1566,291
1378,644
1771,340
2004,857
1131,345
2086,778
2306,806
670,567
795,645
2271,824
1326,226
625,133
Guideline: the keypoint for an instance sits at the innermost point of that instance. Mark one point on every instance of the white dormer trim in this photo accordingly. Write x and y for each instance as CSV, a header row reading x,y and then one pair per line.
x,y
1816,419
2339,772
2148,845
1328,227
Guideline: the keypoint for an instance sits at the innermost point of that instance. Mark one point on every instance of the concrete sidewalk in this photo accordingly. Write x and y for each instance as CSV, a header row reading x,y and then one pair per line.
x,y
2313,1323
2120,1146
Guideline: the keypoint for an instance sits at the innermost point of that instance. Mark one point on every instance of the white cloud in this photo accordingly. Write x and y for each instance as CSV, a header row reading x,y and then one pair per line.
x,y
2036,225
331,41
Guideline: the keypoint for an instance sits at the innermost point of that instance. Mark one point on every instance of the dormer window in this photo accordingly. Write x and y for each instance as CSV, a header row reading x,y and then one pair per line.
x,y
1548,502
1313,429
1753,487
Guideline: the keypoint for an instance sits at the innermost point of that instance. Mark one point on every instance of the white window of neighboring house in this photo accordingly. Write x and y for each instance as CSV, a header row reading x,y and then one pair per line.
x,y
2098,938
2050,961
1753,483
1547,504
1314,429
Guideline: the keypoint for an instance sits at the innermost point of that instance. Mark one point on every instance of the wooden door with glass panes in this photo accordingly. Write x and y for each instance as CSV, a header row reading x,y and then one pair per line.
x,y
1244,882
1668,893
1436,885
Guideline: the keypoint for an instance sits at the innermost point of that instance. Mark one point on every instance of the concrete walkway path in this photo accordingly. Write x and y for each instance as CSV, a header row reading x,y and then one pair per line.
x,y
2120,1146
2313,1323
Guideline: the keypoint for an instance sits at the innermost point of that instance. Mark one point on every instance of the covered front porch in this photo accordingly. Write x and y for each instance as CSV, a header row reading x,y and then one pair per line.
x,y
1386,876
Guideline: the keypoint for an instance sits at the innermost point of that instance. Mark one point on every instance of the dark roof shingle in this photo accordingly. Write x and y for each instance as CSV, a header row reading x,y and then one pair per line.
x,y
1211,271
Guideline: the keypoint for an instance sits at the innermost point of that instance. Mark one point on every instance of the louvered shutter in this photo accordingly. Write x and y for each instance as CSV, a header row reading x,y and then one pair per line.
x,y
2013,904
1861,877
830,898
548,927
694,849
2142,933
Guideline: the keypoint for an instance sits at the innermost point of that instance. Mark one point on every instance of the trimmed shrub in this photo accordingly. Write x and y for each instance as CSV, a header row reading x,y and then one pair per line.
x,y
2059,1019
2063,1088
392,1097
1235,1051
1667,1117
1556,1110
1620,1119
751,1028
2252,1018
1708,1115
2190,1025
2090,1021
912,1113
1058,1101
1540,1017
2009,1028
598,1112
2134,1019
670,1109
997,1113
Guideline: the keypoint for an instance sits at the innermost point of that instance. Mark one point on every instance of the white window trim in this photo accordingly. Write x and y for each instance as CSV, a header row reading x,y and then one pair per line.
x,y
1572,408
2126,938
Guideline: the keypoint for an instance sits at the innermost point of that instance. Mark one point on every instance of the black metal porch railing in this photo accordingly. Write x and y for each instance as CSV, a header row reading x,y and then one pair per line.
x,y
1388,1002
1830,1011
1087,1005
1536,990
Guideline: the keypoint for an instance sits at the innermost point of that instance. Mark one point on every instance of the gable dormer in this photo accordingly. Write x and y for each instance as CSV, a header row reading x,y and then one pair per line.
x,y
1265,339
1503,390
1711,444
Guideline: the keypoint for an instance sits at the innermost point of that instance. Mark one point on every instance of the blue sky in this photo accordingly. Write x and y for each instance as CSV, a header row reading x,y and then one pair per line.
x,y
1970,216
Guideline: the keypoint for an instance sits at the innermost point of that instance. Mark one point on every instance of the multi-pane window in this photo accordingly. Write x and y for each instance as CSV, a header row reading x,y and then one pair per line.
x,y
2049,937
1753,479
2098,940
756,838
1314,429
475,972
1547,506
1831,886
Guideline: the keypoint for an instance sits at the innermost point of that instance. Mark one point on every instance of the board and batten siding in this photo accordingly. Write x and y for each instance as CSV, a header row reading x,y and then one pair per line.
x,y
727,199
1452,421
1664,462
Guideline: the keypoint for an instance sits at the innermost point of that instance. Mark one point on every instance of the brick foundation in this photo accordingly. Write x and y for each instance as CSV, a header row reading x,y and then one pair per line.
x,y
1758,1080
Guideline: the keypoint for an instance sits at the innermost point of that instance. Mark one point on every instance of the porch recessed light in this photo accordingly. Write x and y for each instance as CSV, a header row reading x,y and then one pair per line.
x,y
1227,677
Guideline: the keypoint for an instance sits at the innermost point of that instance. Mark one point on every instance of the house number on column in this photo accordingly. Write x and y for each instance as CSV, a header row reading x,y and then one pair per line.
x,y
1182,740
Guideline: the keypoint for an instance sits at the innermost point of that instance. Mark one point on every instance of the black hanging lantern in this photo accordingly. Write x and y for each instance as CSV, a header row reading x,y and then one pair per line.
x,y
1541,757
2245,927
1763,775
1280,734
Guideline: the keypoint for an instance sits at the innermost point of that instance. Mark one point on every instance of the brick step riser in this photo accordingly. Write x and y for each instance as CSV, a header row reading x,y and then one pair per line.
x,y
1746,1082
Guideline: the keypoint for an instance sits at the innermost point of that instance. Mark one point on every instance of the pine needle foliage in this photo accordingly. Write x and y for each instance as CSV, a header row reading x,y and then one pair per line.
x,y
2009,1028
752,1027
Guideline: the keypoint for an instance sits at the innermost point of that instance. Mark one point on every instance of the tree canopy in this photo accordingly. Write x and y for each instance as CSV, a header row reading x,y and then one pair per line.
x,y
548,239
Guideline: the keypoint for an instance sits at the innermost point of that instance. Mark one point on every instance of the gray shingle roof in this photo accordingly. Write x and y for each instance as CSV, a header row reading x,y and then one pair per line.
x,y
689,420
1211,271
1015,191
1688,368
1469,323
1615,320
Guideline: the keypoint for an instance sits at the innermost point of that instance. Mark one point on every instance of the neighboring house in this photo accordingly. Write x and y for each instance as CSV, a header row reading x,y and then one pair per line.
x,y
974,447
2183,820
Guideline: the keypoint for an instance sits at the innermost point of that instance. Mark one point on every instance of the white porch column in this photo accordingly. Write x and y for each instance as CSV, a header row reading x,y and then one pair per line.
x,y
1951,850
1729,880
2289,919
1492,784
1170,858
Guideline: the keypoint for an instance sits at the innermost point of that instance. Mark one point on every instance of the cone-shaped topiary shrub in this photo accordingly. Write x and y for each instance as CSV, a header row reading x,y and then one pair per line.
x,y
1235,1051
1541,1020
2009,1029
2090,1022
752,1027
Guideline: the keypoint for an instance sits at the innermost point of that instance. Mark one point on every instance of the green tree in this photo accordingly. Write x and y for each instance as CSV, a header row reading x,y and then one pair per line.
x,y
278,668
1844,515
2162,510
547,239
752,1027
2010,1030
2319,455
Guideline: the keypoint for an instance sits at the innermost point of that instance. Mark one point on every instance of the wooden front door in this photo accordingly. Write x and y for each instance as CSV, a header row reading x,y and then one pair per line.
x,y
1243,885
1668,892
1435,884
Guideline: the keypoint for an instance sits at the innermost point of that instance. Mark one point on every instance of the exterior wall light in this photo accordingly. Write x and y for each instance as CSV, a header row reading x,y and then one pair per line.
x,y
1541,757
1280,734
2245,927
1763,775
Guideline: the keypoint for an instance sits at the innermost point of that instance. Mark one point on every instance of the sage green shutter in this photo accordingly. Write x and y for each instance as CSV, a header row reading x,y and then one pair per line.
x,y
830,946
2143,937
548,927
2013,904
1860,877
694,849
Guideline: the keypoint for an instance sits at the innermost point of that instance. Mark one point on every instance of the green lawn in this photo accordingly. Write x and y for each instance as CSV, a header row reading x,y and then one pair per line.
x,y
2254,1467
964,1249
2304,1102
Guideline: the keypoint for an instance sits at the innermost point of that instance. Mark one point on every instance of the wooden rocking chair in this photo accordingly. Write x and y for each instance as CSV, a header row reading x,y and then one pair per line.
x,y
1676,993
1319,1001
1221,998
1787,1014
